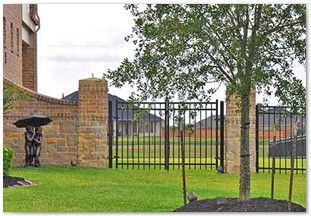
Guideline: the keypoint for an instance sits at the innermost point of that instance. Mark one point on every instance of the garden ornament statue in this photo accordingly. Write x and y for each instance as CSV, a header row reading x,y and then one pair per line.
x,y
220,169
33,139
37,141
192,197
29,137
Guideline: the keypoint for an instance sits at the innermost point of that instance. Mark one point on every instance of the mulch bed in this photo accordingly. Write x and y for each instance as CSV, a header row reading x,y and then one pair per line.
x,y
260,204
10,181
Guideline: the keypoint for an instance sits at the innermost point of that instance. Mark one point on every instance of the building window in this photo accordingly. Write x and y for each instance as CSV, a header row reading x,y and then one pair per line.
x,y
4,32
17,41
12,45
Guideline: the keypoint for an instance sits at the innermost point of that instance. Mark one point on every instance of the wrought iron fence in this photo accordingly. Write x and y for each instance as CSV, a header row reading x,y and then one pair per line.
x,y
275,138
148,135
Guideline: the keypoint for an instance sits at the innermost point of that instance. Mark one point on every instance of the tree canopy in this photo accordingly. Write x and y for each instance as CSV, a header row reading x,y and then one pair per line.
x,y
180,49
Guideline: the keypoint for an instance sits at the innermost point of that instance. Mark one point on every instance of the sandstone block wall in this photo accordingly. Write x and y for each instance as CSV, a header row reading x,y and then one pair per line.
x,y
92,122
60,136
60,141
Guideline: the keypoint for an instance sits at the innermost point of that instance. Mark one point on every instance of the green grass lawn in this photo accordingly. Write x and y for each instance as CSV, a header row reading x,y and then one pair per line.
x,y
152,150
78,189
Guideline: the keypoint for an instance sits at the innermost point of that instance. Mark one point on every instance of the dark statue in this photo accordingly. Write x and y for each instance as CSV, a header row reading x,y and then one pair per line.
x,y
33,141
37,145
29,135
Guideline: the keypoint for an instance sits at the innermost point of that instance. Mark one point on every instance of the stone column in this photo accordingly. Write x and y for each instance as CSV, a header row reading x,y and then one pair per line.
x,y
233,135
92,122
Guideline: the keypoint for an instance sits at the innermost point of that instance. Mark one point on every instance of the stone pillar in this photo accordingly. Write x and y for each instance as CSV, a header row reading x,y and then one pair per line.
x,y
233,135
92,122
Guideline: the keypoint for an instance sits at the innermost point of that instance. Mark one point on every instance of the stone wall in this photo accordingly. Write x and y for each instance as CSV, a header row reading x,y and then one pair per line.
x,y
60,141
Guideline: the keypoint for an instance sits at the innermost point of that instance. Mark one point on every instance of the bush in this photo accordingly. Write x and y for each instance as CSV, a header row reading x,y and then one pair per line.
x,y
8,155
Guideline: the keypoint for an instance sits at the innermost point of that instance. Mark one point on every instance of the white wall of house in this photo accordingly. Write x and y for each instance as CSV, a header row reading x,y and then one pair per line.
x,y
143,128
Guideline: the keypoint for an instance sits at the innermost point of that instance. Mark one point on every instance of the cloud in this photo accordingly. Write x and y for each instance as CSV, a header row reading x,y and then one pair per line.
x,y
91,52
103,57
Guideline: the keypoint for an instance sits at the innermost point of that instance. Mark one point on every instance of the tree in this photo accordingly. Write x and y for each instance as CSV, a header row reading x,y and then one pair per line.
x,y
180,49
11,94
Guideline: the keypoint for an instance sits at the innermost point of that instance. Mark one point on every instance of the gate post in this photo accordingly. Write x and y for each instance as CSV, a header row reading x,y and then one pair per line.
x,y
167,134
110,139
257,138
117,134
222,134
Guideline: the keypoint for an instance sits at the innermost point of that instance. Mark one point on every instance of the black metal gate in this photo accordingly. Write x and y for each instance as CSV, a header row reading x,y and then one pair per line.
x,y
148,135
278,121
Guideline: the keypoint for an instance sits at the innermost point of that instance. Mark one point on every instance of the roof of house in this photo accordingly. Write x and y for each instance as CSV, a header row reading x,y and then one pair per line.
x,y
209,122
268,118
271,116
122,114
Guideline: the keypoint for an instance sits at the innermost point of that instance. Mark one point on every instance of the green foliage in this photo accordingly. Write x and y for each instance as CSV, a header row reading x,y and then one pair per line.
x,y
180,49
11,94
8,156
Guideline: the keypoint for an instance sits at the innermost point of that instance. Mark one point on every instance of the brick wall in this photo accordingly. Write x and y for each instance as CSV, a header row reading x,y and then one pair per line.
x,y
233,135
30,64
30,55
19,57
12,42
85,122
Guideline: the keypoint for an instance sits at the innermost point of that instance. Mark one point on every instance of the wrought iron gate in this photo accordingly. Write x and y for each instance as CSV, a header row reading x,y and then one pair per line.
x,y
148,135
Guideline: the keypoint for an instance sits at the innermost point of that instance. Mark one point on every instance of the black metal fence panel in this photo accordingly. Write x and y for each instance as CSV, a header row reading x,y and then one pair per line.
x,y
147,135
283,148
275,138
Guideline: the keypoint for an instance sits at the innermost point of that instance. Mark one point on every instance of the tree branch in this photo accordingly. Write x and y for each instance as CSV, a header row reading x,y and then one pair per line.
x,y
219,66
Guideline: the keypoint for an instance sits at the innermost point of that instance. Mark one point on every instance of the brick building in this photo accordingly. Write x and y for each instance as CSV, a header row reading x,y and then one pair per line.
x,y
20,26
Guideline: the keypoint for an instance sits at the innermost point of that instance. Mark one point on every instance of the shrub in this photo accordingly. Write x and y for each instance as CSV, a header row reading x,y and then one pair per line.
x,y
8,155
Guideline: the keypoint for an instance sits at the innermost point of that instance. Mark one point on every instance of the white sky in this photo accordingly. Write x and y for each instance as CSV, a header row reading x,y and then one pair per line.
x,y
78,40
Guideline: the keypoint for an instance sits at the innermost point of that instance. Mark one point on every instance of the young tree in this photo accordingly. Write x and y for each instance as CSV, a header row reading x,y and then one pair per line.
x,y
180,49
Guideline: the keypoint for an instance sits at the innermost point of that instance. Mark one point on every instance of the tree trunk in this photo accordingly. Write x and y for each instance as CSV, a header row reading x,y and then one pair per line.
x,y
244,148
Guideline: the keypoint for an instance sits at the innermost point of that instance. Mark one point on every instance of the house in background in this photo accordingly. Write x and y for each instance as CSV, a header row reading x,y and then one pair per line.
x,y
268,119
208,123
123,120
280,119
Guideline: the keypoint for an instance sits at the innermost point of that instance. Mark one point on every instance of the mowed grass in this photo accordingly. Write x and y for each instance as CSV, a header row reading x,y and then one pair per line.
x,y
133,150
155,147
80,189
